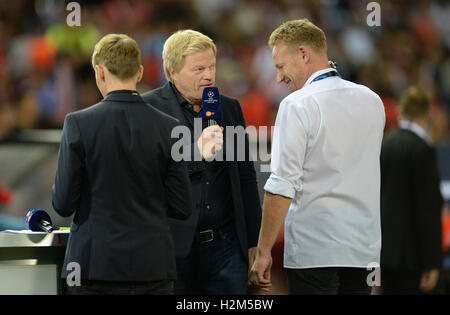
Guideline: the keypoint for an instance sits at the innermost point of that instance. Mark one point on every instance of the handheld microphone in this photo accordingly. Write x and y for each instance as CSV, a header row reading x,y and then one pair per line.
x,y
38,220
211,106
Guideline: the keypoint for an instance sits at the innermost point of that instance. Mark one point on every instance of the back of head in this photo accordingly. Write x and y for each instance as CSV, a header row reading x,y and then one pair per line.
x,y
179,45
120,54
414,103
300,32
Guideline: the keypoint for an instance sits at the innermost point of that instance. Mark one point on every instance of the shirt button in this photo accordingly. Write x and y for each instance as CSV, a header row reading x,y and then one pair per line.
x,y
207,183
207,207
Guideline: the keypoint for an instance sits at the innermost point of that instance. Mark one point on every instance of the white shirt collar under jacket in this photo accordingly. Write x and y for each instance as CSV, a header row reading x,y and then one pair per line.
x,y
415,128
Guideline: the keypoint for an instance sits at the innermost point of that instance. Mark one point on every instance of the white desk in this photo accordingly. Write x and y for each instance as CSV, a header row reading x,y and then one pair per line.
x,y
30,262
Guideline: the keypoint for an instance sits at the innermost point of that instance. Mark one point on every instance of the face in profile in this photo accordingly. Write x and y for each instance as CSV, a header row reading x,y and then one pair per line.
x,y
198,72
290,66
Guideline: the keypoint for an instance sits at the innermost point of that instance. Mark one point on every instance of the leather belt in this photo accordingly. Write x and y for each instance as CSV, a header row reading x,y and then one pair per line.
x,y
209,235
206,236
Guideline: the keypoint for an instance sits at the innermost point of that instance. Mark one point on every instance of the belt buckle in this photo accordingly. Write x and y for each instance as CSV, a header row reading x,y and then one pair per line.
x,y
211,236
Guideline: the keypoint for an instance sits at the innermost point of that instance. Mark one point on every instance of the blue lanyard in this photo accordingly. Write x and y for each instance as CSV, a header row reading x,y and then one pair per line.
x,y
326,75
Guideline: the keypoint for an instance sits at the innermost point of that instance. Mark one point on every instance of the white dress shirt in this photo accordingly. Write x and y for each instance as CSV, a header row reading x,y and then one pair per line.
x,y
415,128
326,156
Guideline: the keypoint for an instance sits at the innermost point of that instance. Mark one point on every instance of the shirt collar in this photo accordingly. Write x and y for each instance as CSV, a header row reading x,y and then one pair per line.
x,y
316,74
180,99
414,128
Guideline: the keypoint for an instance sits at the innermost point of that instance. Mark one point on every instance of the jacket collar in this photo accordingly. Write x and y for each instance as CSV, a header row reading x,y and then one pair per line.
x,y
167,92
415,128
124,96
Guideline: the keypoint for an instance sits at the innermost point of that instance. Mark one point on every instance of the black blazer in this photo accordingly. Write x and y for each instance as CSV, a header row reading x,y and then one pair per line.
x,y
411,204
242,176
116,173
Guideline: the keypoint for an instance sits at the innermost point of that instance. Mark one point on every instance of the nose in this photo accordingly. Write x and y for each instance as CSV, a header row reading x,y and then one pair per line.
x,y
209,74
280,77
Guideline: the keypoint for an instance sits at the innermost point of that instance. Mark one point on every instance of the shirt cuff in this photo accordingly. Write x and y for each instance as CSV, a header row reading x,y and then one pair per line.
x,y
279,186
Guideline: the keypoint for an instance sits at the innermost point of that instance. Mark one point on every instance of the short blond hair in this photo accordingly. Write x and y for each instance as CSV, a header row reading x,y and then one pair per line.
x,y
300,32
179,45
119,53
414,103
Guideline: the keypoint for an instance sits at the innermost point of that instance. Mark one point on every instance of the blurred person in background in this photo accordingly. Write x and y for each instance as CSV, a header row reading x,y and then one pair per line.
x,y
8,222
116,173
411,202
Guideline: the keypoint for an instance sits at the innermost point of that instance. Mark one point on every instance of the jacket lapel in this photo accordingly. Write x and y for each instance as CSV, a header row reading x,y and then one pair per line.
x,y
170,103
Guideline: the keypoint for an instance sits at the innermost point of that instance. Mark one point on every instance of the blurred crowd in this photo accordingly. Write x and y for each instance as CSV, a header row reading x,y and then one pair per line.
x,y
45,69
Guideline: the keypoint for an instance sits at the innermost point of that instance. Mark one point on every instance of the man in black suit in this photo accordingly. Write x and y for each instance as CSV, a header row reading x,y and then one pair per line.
x,y
116,173
215,244
411,203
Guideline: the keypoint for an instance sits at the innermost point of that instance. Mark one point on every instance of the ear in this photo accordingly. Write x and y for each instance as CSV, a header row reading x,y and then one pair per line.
x,y
172,73
305,53
140,74
100,72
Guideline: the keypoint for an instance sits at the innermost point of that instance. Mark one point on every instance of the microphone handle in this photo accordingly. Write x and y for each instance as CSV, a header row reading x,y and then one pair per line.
x,y
46,226
212,122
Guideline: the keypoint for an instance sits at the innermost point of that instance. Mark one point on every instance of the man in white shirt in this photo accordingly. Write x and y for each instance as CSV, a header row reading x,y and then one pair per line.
x,y
325,172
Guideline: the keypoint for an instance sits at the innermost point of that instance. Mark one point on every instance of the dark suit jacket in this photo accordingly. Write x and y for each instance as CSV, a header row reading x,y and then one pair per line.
x,y
411,204
242,176
116,173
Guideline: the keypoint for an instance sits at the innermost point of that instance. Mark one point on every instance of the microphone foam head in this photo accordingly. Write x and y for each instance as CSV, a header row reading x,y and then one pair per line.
x,y
211,104
34,216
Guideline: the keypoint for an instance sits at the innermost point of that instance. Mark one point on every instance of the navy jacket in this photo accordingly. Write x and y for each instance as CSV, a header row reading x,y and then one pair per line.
x,y
411,204
241,173
116,173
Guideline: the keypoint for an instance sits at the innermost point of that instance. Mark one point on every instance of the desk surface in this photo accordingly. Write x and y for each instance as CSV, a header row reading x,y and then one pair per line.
x,y
33,239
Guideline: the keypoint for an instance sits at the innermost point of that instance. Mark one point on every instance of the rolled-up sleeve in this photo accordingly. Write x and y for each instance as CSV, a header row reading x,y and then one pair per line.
x,y
288,150
279,186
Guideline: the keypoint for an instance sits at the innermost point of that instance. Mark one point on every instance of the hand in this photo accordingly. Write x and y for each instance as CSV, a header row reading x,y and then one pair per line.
x,y
260,272
210,141
251,257
429,280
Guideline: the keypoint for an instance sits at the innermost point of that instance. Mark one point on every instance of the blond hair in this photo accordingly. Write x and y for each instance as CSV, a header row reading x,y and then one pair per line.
x,y
414,103
300,32
179,45
119,53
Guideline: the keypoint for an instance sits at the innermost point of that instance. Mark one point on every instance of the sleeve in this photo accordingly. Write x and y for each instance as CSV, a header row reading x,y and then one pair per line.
x,y
178,186
249,188
67,188
288,150
427,211
184,149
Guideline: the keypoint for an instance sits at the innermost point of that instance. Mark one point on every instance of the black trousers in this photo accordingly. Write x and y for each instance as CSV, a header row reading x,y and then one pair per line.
x,y
328,281
93,287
